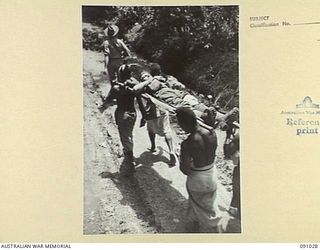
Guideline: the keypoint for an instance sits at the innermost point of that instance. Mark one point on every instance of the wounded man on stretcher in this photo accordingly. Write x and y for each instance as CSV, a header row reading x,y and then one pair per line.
x,y
170,91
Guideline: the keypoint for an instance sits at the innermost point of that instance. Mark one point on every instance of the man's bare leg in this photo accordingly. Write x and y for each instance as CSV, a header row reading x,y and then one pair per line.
x,y
169,142
152,137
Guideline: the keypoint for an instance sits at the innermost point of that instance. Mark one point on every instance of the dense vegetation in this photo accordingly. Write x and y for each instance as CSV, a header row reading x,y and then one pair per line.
x,y
197,44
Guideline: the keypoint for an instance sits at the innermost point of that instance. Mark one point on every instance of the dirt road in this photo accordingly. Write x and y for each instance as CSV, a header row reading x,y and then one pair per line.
x,y
154,200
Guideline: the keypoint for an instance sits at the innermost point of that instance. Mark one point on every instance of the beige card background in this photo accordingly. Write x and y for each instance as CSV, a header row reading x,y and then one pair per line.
x,y
41,124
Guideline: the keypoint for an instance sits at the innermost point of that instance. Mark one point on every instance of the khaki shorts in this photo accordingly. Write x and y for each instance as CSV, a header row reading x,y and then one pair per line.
x,y
160,125
113,66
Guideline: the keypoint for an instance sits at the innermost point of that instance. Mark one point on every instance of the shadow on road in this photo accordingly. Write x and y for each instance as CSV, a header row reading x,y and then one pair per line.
x,y
148,158
152,197
169,206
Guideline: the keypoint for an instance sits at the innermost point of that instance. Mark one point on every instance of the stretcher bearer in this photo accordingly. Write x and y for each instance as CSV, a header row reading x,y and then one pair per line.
x,y
125,115
114,51
158,122
196,162
231,151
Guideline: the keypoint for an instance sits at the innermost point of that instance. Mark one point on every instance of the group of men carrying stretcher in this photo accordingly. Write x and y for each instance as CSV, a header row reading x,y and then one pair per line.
x,y
157,96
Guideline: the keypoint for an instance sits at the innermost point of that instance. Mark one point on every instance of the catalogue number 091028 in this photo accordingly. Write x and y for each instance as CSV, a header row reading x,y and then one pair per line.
x,y
304,245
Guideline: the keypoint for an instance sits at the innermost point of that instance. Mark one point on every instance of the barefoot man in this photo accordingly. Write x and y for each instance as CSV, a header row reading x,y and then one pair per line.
x,y
157,119
197,157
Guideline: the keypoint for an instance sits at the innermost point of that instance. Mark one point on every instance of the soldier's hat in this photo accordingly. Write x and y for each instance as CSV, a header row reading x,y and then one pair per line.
x,y
111,30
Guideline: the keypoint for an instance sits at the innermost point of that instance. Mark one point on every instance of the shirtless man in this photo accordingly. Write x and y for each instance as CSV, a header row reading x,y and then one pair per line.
x,y
231,151
197,157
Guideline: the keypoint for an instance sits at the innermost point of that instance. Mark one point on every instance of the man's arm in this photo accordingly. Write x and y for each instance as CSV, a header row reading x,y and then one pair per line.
x,y
112,94
106,60
106,49
138,88
126,49
185,158
141,107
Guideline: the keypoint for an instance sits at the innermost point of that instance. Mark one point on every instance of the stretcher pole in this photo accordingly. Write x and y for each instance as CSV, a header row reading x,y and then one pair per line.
x,y
169,107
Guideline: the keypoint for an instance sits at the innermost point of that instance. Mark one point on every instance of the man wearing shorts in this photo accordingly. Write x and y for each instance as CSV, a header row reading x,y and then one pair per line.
x,y
158,122
114,51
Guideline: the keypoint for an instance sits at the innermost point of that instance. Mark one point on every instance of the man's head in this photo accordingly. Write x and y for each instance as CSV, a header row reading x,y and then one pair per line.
x,y
186,119
111,31
145,75
124,73
155,69
209,116
231,148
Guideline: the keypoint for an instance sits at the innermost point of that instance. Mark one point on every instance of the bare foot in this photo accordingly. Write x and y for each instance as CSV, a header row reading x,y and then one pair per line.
x,y
152,149
173,160
234,211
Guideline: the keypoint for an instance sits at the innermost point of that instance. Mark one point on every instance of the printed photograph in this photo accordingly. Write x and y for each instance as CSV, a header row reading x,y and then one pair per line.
x,y
161,129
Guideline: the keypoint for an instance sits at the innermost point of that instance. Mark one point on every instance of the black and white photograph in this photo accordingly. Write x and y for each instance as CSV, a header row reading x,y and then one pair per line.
x,y
161,128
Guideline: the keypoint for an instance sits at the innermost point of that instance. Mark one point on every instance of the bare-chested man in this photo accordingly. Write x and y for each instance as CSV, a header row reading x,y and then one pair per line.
x,y
197,157
231,151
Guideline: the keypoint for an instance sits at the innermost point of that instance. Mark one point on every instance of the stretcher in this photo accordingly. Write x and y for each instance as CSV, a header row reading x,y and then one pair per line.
x,y
172,109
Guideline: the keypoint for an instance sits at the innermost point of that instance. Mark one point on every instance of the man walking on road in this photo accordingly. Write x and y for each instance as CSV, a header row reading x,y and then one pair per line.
x,y
125,116
197,157
157,119
231,151
114,51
